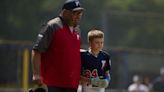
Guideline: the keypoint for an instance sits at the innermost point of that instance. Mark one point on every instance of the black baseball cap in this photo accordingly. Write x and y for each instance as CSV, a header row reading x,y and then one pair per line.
x,y
73,5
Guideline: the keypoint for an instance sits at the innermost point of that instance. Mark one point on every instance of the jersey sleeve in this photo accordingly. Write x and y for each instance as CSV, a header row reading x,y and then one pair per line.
x,y
108,63
44,38
107,68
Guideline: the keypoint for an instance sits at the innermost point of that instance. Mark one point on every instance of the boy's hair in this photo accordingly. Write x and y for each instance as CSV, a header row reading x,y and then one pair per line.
x,y
95,34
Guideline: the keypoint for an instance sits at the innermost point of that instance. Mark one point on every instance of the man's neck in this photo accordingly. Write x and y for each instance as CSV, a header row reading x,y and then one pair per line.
x,y
71,29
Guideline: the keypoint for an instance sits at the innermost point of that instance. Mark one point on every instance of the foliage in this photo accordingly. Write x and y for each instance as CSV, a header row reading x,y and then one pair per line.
x,y
127,23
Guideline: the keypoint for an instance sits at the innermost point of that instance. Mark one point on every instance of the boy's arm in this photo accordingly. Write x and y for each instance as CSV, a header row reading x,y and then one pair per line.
x,y
107,75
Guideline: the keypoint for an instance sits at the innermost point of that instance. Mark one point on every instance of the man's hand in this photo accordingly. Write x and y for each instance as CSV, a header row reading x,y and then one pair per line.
x,y
38,85
37,80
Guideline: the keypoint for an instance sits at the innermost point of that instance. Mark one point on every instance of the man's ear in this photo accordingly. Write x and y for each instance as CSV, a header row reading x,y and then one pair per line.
x,y
66,13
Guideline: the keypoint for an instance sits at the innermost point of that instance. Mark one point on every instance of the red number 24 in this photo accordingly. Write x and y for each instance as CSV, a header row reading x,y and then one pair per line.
x,y
90,74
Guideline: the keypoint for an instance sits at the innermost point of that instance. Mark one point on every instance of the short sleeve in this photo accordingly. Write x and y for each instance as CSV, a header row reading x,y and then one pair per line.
x,y
108,63
44,38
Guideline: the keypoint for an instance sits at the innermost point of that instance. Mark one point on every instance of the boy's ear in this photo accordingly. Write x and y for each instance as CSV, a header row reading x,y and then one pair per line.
x,y
89,43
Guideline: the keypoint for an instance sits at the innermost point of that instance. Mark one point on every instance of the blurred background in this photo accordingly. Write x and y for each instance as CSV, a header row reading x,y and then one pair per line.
x,y
134,37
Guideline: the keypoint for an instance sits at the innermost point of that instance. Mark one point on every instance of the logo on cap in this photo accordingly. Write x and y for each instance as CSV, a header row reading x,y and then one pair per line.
x,y
72,5
77,3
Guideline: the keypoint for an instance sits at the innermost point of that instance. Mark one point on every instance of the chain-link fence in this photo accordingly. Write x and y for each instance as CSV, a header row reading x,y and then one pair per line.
x,y
15,64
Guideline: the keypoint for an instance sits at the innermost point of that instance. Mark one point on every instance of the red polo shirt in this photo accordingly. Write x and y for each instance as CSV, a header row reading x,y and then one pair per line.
x,y
60,58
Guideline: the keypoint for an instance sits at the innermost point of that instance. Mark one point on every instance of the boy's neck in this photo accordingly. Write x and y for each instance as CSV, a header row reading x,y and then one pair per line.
x,y
94,53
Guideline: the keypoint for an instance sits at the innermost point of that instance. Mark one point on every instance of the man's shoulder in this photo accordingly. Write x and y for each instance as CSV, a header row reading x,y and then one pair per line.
x,y
132,87
55,22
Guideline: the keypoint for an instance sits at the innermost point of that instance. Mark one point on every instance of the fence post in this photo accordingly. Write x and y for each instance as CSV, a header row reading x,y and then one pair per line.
x,y
25,81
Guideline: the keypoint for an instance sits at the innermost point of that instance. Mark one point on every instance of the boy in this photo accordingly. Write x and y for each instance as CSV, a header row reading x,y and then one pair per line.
x,y
95,66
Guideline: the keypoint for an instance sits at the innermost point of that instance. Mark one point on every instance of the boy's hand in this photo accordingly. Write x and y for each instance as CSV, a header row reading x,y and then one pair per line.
x,y
85,80
102,83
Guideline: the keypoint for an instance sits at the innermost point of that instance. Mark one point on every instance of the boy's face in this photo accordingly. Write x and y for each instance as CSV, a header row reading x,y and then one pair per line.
x,y
96,44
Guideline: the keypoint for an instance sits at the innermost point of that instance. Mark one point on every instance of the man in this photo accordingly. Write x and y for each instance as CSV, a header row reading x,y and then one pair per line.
x,y
158,83
56,53
137,85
